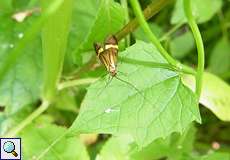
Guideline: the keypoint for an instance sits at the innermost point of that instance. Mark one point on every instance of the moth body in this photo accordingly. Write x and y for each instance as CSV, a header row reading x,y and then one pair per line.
x,y
107,54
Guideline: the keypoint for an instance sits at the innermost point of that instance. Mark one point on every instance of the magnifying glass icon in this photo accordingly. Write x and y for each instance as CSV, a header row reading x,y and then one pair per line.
x,y
9,147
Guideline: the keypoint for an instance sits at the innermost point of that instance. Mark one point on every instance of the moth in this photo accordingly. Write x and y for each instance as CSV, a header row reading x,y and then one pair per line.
x,y
108,54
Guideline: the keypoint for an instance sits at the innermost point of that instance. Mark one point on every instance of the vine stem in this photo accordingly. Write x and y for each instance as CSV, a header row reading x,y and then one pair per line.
x,y
155,65
155,41
149,34
152,9
28,120
76,82
124,4
199,44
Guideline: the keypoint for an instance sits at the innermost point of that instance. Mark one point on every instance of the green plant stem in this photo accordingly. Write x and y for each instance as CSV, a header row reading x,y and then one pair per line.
x,y
84,68
154,40
54,42
76,82
152,9
28,120
156,65
149,34
199,44
124,4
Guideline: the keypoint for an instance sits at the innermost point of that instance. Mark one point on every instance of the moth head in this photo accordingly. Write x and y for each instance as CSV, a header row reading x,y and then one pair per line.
x,y
111,42
111,39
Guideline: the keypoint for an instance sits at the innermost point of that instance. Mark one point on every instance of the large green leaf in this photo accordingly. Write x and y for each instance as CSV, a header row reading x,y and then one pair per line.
x,y
219,61
203,10
82,19
161,105
215,94
108,20
36,138
21,85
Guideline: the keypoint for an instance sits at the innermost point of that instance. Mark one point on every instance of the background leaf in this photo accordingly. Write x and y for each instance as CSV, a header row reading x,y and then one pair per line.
x,y
38,137
120,146
108,20
215,156
175,143
145,116
219,61
124,147
203,10
140,35
215,95
181,45
21,85
54,40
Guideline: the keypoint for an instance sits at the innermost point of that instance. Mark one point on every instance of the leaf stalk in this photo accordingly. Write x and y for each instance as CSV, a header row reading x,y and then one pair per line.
x,y
199,44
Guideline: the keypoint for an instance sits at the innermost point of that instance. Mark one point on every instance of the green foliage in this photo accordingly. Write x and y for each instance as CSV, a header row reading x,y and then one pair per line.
x,y
149,109
135,111
83,17
6,5
176,143
181,45
140,35
219,61
214,156
14,92
202,10
39,136
124,148
119,145
65,101
215,95
108,18
54,39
